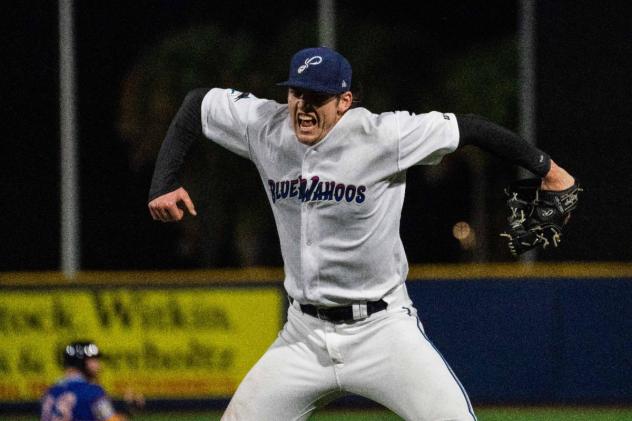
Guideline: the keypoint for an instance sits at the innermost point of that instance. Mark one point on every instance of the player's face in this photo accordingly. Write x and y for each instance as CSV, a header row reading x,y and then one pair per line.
x,y
314,114
93,367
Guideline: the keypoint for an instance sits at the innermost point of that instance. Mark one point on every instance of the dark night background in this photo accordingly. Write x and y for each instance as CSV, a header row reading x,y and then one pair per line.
x,y
414,56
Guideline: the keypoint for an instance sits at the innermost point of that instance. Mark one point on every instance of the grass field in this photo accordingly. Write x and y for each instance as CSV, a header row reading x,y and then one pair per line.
x,y
484,414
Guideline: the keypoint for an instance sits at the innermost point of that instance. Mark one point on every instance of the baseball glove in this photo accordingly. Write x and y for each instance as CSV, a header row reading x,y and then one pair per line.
x,y
537,217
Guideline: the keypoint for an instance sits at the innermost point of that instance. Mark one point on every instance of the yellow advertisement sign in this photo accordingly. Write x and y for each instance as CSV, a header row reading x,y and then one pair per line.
x,y
163,343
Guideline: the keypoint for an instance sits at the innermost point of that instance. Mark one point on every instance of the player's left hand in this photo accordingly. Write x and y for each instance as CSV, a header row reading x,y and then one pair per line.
x,y
538,214
557,179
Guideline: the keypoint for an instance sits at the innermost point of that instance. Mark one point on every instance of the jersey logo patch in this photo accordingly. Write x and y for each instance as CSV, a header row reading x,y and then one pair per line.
x,y
237,95
242,95
312,61
316,190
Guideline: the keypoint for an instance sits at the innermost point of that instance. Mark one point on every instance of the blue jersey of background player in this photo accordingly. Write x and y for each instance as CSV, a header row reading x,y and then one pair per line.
x,y
77,396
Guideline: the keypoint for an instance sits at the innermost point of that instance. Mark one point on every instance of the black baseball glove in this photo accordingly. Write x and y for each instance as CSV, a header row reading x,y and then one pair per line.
x,y
537,217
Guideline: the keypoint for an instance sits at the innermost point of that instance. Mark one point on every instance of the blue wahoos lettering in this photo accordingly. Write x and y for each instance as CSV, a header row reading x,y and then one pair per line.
x,y
314,189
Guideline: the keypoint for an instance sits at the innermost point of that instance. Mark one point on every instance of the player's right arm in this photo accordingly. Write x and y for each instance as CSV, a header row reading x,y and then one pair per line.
x,y
222,115
166,194
166,207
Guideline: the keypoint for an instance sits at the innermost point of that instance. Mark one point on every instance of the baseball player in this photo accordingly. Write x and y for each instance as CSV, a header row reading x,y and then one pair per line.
x,y
76,396
335,177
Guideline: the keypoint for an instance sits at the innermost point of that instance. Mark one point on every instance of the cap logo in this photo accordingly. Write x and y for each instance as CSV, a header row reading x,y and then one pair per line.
x,y
313,61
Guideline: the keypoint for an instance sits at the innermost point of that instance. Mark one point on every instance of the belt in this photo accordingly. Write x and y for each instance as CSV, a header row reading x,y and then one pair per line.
x,y
344,313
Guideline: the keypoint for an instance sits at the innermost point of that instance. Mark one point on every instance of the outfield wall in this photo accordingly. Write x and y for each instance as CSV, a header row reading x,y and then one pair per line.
x,y
515,334
538,341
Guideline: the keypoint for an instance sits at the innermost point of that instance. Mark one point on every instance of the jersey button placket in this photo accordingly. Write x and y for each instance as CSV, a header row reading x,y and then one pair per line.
x,y
305,223
308,215
306,206
307,271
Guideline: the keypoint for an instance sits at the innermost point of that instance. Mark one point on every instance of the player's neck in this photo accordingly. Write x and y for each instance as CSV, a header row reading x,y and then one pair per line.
x,y
72,372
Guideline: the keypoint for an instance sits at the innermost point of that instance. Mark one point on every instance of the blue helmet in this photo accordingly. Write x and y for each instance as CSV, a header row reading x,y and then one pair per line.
x,y
76,353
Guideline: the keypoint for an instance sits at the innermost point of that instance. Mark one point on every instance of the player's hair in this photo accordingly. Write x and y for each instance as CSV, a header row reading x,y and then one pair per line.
x,y
357,92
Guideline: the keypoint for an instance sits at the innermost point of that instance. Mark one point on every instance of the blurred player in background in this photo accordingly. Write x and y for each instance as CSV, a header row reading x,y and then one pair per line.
x,y
77,396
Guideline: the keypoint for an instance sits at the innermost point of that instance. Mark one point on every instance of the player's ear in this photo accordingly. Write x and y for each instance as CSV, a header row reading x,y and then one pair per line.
x,y
344,102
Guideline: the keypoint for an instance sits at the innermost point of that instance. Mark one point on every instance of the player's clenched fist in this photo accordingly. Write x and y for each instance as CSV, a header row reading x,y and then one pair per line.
x,y
166,208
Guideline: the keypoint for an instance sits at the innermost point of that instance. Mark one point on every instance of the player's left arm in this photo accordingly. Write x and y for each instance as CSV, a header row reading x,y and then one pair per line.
x,y
539,208
499,141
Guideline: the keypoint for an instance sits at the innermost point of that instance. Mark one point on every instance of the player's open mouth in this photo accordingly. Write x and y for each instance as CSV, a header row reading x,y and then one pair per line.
x,y
306,121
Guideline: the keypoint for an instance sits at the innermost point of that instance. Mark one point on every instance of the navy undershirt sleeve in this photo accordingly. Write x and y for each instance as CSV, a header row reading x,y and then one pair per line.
x,y
497,140
185,129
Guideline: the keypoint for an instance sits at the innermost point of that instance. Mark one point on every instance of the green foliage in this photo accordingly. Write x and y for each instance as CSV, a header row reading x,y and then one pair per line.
x,y
225,187
482,80
405,69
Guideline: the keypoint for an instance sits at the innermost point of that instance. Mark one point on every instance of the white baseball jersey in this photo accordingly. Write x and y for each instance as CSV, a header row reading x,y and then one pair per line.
x,y
337,204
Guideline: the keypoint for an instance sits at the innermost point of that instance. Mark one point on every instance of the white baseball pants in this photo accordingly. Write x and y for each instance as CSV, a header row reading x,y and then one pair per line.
x,y
386,358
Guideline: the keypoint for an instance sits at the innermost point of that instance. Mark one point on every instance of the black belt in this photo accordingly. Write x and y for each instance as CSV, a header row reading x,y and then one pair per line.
x,y
343,313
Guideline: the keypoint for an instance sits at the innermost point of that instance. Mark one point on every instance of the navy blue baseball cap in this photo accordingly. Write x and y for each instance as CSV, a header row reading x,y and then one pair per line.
x,y
319,69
